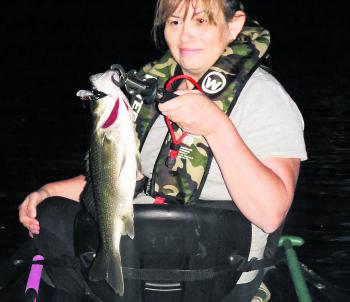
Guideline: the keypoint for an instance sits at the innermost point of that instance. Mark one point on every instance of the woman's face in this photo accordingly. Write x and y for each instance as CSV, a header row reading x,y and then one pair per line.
x,y
193,41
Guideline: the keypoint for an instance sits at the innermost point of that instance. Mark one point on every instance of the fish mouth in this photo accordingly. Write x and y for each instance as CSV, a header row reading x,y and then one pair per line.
x,y
115,77
85,95
94,95
93,78
97,94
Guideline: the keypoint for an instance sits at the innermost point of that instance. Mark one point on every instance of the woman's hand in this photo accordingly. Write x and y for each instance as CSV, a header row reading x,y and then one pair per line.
x,y
27,210
69,188
193,112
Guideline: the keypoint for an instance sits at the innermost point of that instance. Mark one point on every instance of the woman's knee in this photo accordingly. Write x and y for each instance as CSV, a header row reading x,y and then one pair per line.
x,y
54,209
56,217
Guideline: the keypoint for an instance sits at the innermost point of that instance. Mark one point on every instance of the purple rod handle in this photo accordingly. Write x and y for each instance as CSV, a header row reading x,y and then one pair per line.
x,y
34,277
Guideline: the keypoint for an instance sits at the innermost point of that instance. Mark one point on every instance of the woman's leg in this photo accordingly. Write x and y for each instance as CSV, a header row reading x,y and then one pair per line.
x,y
55,241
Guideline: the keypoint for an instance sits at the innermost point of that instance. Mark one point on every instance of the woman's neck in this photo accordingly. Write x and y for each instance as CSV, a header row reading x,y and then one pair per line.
x,y
187,85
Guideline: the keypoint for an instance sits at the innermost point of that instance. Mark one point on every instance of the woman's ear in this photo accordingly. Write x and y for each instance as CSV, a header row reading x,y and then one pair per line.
x,y
236,23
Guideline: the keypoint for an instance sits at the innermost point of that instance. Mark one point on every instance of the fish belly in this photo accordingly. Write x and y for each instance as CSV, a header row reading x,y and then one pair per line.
x,y
113,165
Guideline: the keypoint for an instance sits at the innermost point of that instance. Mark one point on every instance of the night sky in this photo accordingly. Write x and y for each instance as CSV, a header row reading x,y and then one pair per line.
x,y
76,38
52,47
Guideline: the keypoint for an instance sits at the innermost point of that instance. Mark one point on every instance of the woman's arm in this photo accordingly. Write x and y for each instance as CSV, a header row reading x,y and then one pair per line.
x,y
262,189
69,188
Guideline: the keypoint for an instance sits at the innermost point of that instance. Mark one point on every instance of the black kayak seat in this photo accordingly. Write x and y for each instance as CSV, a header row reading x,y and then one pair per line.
x,y
174,246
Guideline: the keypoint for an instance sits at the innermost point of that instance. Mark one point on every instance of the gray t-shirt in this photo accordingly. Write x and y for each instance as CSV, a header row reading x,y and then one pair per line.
x,y
270,124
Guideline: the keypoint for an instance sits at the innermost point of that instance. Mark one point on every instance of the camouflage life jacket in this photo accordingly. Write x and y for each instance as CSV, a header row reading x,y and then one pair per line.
x,y
222,83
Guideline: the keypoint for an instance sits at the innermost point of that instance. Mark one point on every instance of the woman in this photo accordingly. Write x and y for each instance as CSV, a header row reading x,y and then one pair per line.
x,y
253,129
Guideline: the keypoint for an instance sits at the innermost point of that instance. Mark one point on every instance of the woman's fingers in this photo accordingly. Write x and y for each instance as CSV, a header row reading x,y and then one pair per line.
x,y
192,111
32,204
176,102
34,228
30,223
27,213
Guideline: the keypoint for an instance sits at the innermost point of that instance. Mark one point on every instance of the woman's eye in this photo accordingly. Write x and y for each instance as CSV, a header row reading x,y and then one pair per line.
x,y
202,20
174,22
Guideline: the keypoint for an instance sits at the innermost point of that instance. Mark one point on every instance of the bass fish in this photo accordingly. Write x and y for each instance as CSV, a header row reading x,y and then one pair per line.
x,y
114,163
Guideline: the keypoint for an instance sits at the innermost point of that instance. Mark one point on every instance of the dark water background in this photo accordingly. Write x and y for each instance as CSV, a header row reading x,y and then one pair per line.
x,y
50,48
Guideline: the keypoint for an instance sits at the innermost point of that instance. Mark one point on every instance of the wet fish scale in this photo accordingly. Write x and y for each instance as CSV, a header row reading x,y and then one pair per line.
x,y
113,162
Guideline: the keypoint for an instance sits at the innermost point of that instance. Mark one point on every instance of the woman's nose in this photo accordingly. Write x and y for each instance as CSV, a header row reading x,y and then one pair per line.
x,y
187,32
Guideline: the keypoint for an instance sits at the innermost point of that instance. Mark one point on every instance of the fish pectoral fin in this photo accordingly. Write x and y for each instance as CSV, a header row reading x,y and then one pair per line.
x,y
109,268
128,226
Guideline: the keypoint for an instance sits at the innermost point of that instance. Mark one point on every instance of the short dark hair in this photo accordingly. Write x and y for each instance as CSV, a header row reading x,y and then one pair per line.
x,y
165,8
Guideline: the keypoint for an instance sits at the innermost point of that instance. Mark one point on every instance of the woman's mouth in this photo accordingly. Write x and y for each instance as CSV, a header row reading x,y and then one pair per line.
x,y
185,51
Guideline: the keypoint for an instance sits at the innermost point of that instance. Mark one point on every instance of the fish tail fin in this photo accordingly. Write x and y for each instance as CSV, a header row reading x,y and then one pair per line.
x,y
108,268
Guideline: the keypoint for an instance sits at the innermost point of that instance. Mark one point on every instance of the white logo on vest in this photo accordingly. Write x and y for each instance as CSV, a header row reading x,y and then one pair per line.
x,y
213,82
